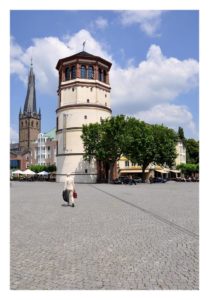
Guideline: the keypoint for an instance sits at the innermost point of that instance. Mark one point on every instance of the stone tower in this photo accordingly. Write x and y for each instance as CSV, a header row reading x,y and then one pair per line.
x,y
83,98
29,119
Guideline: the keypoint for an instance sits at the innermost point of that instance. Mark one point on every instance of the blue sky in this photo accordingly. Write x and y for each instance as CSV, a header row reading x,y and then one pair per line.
x,y
155,56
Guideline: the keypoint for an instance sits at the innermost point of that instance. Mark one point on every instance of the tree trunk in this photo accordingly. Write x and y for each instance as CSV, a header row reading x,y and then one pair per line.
x,y
143,173
110,172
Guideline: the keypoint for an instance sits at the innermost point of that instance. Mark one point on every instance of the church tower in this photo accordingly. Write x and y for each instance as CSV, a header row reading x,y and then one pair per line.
x,y
83,98
29,119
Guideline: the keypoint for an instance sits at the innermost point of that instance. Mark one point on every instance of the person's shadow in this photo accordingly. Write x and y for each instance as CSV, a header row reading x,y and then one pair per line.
x,y
64,205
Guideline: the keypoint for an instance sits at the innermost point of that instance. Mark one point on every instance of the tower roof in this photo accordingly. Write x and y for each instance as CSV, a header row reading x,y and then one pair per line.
x,y
30,100
82,54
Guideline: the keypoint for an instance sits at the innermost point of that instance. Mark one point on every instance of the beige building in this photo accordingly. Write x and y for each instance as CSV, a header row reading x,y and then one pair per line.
x,y
181,153
83,98
125,167
43,150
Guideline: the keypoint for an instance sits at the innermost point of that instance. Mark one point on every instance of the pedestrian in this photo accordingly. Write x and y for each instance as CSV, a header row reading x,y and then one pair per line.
x,y
70,187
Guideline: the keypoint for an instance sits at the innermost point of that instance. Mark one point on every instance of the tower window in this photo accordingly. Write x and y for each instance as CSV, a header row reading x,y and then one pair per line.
x,y
100,75
91,89
22,124
73,89
104,76
83,71
37,124
90,72
85,117
73,72
32,123
67,73
87,100
86,171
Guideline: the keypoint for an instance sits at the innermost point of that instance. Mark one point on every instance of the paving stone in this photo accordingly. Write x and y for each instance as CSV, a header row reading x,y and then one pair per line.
x,y
116,237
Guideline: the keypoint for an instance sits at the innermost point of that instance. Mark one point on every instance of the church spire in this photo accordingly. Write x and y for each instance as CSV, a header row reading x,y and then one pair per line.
x,y
30,100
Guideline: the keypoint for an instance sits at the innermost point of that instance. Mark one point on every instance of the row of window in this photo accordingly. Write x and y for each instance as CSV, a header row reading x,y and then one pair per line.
x,y
29,123
85,117
85,73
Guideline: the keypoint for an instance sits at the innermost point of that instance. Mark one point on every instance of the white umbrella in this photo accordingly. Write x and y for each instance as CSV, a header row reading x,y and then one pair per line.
x,y
43,173
17,172
28,172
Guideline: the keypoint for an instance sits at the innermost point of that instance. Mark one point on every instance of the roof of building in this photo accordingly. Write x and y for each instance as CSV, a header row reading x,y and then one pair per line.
x,y
51,134
30,100
82,54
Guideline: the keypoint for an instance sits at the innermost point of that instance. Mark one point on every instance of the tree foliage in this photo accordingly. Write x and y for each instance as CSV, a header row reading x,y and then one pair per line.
x,y
192,151
188,169
181,135
40,168
150,143
104,141
140,142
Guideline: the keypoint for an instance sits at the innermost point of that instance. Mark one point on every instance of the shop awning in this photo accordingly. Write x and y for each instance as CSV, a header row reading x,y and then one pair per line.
x,y
132,171
175,171
162,171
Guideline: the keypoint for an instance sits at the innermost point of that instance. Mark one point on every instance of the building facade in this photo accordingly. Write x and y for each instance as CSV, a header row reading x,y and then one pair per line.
x,y
29,119
181,153
43,150
83,98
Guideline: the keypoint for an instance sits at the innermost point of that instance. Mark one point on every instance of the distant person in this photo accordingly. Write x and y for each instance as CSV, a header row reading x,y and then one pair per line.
x,y
70,187
131,180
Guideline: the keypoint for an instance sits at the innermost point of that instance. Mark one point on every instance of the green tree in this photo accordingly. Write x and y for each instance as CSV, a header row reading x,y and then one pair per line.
x,y
165,145
150,143
188,169
192,151
105,141
139,147
181,135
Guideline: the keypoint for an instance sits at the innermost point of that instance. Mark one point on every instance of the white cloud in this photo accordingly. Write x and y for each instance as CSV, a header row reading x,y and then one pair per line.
x,y
45,53
101,23
155,80
14,136
154,83
148,21
170,115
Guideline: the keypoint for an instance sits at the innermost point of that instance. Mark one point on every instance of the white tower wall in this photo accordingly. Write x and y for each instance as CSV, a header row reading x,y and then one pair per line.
x,y
80,101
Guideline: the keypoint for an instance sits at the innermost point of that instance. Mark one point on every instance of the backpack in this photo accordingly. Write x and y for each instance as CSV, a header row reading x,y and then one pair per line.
x,y
65,195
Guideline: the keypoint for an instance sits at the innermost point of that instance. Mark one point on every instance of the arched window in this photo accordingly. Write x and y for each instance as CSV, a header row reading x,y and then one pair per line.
x,y
83,71
73,73
22,124
32,123
90,72
104,76
67,73
100,75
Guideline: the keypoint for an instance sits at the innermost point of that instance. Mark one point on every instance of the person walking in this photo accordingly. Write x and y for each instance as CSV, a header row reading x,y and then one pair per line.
x,y
70,187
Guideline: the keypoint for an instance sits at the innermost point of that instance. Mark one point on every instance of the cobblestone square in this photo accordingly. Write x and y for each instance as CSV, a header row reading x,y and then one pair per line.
x,y
117,237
